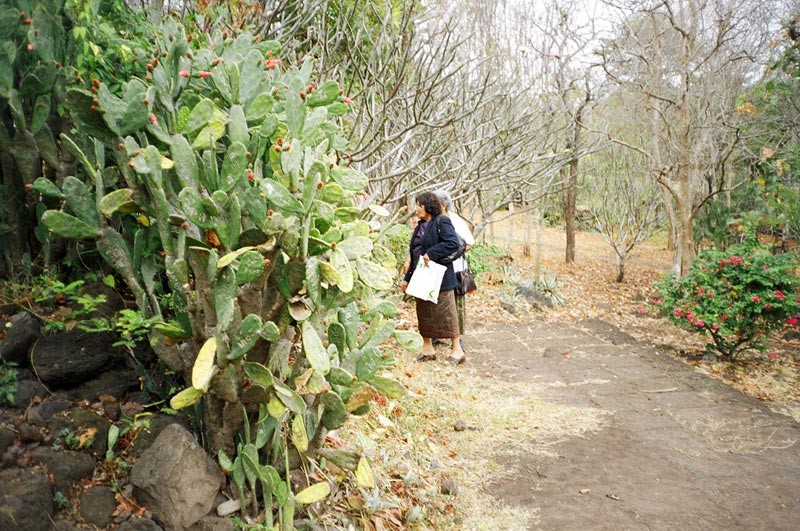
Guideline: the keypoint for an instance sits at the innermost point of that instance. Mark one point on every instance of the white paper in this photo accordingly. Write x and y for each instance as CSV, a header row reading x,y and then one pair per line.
x,y
426,280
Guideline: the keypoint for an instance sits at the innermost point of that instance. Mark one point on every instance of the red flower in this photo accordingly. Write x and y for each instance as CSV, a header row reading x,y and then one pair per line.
x,y
184,73
347,100
767,306
766,267
153,119
715,327
755,298
204,74
779,294
677,312
792,321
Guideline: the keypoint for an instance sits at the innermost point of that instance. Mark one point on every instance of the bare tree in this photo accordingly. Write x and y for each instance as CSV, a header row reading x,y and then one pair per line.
x,y
566,35
625,203
682,64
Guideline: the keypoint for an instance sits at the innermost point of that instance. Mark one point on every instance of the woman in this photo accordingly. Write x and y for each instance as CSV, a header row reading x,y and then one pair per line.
x,y
434,238
460,264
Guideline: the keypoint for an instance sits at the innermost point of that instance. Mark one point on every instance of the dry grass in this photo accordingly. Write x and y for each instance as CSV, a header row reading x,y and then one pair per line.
x,y
496,419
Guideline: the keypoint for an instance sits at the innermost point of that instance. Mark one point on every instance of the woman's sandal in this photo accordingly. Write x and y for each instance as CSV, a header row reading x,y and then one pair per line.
x,y
457,361
426,357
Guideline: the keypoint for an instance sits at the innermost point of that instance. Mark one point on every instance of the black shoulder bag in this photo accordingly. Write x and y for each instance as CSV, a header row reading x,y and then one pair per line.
x,y
462,246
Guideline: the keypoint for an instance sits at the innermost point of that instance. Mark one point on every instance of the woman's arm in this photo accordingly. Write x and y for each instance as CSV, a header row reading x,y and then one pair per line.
x,y
448,240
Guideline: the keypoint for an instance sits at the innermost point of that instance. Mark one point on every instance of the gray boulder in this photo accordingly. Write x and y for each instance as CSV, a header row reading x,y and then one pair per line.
x,y
26,501
22,329
68,359
78,421
67,468
27,391
97,505
213,523
175,479
142,524
40,414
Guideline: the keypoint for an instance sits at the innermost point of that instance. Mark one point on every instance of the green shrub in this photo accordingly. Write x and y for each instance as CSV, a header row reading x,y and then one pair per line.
x,y
738,297
8,381
479,257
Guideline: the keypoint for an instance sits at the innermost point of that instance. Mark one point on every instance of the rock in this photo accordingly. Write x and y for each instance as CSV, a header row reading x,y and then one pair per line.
x,y
7,436
78,422
65,525
30,433
534,298
155,425
22,330
27,391
26,501
113,382
449,487
110,406
142,524
66,467
175,479
213,523
97,504
68,359
229,507
7,460
41,414
460,425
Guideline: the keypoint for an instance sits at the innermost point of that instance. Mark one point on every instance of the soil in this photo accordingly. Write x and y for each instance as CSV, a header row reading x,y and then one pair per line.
x,y
677,449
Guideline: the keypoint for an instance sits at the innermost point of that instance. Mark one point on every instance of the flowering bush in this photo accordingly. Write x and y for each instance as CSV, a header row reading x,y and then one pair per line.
x,y
738,297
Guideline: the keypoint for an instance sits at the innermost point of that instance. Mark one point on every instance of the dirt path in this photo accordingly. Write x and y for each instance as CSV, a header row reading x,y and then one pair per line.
x,y
677,449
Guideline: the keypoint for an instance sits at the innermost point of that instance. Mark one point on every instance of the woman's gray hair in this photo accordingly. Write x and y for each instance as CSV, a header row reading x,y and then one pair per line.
x,y
445,198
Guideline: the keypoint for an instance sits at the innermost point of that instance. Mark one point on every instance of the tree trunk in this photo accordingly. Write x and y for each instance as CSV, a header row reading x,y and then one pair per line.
x,y
569,210
538,215
620,261
672,222
526,244
684,250
510,239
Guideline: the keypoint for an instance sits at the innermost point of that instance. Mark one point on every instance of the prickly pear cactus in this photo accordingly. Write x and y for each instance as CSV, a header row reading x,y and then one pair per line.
x,y
229,159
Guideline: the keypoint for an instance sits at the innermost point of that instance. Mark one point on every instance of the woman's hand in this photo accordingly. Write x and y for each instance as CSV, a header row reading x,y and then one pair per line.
x,y
403,286
426,258
405,267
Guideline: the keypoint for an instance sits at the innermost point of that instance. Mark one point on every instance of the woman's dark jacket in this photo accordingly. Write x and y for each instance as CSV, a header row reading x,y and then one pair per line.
x,y
440,242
